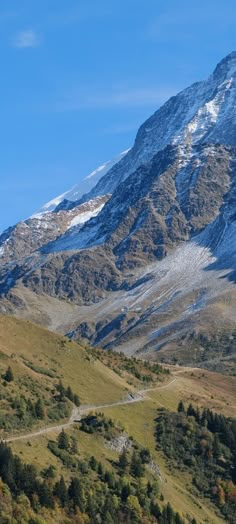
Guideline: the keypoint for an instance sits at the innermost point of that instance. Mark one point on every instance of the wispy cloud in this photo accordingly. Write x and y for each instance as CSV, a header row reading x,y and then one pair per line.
x,y
122,129
26,39
131,97
185,19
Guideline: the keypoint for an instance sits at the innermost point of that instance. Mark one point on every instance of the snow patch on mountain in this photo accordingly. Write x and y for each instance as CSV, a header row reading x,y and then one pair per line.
x,y
82,187
81,218
205,117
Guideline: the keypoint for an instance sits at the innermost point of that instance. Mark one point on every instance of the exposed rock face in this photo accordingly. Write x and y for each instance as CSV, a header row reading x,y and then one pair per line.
x,y
152,247
24,238
157,207
81,277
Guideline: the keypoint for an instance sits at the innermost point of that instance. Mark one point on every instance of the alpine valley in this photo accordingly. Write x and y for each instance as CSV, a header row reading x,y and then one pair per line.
x,y
134,265
141,255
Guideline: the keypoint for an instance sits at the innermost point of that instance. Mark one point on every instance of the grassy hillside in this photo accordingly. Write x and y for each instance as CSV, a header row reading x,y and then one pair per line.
x,y
138,421
40,360
34,352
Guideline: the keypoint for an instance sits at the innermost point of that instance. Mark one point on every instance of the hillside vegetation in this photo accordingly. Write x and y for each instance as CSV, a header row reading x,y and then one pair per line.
x,y
46,358
105,468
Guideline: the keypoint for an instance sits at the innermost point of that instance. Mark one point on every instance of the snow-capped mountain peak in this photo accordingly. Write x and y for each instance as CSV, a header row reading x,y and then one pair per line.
x,y
226,68
205,111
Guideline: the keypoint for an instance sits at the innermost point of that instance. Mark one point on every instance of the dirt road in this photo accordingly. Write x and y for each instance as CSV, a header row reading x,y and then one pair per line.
x,y
76,413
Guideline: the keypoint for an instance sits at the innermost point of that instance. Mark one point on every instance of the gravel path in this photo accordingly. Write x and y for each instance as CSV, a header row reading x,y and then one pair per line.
x,y
76,413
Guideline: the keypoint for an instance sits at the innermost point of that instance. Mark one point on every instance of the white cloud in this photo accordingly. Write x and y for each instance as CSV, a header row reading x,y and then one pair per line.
x,y
131,97
27,38
123,128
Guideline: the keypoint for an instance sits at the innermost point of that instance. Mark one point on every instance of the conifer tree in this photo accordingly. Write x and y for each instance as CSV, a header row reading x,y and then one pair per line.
x,y
63,440
123,460
76,493
191,411
93,463
69,394
8,376
46,496
181,408
60,491
216,449
40,409
136,466
100,469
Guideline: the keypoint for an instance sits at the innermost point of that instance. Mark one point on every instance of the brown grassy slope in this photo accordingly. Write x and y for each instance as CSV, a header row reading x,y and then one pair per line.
x,y
22,341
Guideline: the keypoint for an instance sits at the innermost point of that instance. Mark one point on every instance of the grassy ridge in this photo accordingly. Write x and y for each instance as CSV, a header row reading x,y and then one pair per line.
x,y
24,345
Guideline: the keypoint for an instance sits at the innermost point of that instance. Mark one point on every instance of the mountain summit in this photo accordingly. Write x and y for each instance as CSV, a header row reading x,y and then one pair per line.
x,y
204,113
226,68
149,252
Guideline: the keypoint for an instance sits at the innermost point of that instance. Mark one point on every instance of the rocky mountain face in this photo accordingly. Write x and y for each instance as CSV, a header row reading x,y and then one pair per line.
x,y
149,253
202,113
26,237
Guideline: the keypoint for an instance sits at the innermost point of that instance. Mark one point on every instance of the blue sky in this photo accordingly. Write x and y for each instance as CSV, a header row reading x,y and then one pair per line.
x,y
79,76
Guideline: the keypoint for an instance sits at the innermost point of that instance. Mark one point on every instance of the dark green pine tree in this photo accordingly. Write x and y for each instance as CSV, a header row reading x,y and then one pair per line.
x,y
155,509
191,411
136,467
100,469
26,478
60,491
125,492
204,420
40,409
216,448
170,513
181,408
198,415
109,479
76,494
63,440
8,376
93,463
149,489
178,519
123,460
69,394
46,495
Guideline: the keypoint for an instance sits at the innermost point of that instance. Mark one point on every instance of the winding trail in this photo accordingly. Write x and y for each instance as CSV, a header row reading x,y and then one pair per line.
x,y
76,413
